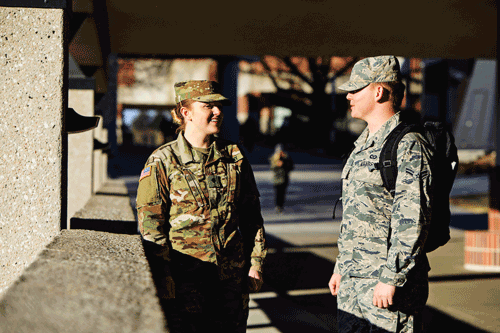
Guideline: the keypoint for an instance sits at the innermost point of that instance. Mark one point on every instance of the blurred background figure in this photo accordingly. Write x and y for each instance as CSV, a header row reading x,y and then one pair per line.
x,y
281,165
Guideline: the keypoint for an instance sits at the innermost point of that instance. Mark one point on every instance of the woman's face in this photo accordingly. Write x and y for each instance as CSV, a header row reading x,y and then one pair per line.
x,y
205,118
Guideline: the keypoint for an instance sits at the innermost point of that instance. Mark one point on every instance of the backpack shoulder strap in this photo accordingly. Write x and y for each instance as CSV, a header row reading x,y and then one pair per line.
x,y
388,160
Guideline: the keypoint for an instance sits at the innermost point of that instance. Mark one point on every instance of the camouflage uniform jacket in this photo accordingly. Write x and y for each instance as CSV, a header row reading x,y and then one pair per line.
x,y
208,210
382,237
280,173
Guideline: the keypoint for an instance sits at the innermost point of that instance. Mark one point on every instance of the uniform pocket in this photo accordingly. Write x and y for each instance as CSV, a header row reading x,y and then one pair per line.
x,y
233,175
185,190
367,173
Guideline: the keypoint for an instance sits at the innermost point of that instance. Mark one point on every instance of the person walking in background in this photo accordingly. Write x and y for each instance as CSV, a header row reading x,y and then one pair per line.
x,y
200,219
281,165
381,273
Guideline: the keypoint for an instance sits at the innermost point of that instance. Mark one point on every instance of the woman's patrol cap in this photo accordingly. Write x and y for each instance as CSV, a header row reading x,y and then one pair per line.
x,y
373,70
199,90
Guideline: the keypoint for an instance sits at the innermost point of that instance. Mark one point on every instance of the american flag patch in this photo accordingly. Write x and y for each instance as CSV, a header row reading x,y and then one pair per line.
x,y
146,172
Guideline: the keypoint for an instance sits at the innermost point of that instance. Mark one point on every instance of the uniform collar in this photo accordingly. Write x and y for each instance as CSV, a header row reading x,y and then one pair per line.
x,y
184,149
379,137
217,150
387,128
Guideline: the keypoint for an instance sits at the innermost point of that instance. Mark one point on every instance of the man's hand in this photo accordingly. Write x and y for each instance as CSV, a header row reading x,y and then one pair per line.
x,y
334,284
383,295
256,280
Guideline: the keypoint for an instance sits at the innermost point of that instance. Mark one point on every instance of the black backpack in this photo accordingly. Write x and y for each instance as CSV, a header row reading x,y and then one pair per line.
x,y
444,165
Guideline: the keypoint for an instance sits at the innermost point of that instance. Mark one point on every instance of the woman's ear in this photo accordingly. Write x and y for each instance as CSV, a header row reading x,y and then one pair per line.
x,y
185,113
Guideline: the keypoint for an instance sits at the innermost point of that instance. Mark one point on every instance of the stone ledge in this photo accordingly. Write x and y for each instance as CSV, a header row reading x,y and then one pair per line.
x,y
85,281
108,210
88,280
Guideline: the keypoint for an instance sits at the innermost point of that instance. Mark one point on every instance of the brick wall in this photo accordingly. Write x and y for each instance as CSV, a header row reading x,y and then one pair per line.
x,y
482,248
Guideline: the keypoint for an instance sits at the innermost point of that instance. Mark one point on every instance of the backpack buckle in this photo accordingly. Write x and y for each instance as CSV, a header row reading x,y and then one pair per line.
x,y
387,164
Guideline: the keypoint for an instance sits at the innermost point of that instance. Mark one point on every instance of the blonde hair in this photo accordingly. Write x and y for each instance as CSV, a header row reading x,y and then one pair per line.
x,y
177,115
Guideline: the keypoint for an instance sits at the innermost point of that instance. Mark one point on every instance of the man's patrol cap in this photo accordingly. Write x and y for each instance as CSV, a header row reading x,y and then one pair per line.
x,y
373,70
199,90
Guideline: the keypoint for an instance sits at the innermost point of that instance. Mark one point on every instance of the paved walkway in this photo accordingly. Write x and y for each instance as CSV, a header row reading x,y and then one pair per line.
x,y
302,244
302,248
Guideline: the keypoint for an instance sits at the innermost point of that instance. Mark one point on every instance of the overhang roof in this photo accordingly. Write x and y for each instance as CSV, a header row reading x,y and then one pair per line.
x,y
423,29
452,29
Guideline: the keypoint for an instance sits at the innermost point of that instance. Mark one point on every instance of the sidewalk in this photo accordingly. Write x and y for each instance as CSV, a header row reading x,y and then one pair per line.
x,y
302,248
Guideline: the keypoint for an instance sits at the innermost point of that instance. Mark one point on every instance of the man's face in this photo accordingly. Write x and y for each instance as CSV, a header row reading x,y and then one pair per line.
x,y
206,117
362,102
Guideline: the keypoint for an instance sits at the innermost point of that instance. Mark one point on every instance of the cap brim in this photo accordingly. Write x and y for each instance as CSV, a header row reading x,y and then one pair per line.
x,y
213,98
352,85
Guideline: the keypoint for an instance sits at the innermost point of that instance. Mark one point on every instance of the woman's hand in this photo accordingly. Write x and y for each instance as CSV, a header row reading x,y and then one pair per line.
x,y
256,280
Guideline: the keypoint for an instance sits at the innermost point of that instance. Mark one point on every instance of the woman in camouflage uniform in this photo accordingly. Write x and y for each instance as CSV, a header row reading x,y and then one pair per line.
x,y
199,214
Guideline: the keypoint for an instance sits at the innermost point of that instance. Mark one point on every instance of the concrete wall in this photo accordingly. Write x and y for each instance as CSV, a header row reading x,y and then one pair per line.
x,y
31,140
80,153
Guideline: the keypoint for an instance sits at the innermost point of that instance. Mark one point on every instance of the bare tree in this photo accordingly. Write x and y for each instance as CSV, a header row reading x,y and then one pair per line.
x,y
302,84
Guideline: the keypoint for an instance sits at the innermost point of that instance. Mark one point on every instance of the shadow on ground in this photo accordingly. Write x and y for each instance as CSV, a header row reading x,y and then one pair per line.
x,y
304,271
299,280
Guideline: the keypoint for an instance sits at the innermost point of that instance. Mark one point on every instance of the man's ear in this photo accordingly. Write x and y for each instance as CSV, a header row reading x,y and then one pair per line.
x,y
381,95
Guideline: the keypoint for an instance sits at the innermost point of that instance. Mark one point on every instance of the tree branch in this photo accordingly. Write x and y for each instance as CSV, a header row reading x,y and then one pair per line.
x,y
344,69
294,70
269,72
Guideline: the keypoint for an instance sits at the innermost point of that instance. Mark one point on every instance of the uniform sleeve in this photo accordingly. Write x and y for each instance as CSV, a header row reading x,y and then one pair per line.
x,y
152,209
252,223
410,210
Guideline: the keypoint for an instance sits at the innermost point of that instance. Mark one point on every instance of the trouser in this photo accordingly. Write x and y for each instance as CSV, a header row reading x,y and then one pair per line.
x,y
356,312
203,302
280,191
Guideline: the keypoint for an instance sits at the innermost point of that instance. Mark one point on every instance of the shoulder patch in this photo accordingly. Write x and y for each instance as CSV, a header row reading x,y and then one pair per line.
x,y
146,172
148,189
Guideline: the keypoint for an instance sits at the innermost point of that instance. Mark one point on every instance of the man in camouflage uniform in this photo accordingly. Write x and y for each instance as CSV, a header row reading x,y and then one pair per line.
x,y
199,215
380,276
281,165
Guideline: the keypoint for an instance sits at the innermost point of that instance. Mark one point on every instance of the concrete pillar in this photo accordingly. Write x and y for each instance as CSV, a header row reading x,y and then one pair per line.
x,y
228,68
482,248
434,106
32,158
100,161
109,113
80,153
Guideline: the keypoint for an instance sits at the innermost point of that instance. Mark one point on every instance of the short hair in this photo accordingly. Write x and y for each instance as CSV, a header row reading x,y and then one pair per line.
x,y
396,90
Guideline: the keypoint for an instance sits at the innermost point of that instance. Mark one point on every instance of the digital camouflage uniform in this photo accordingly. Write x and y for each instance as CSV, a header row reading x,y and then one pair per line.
x,y
382,238
202,214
